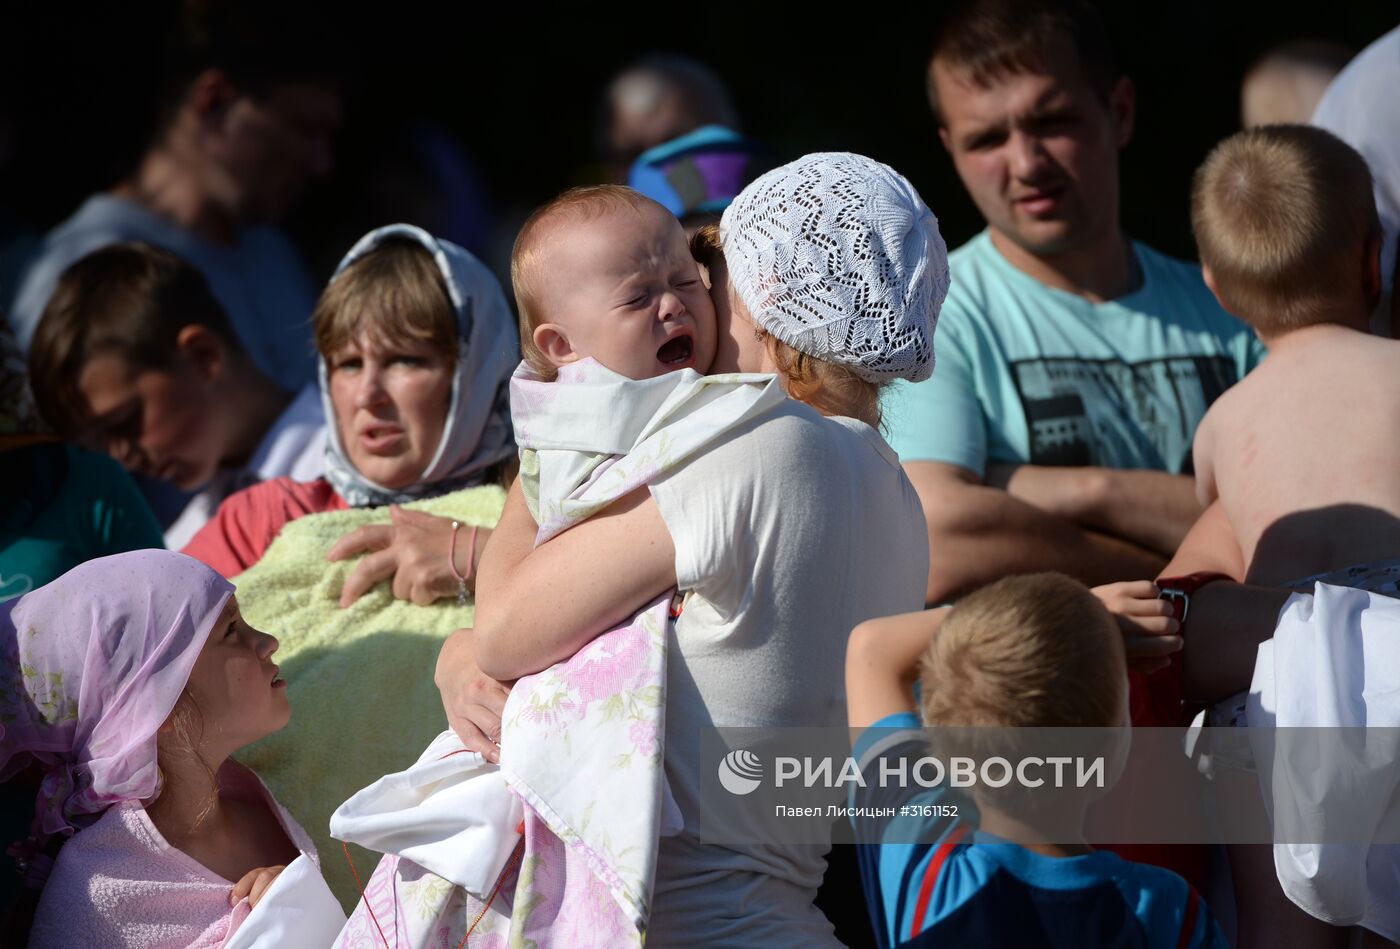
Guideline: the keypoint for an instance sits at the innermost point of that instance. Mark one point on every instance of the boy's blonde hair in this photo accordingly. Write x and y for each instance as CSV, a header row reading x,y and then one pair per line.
x,y
1283,215
829,388
396,293
526,266
1028,651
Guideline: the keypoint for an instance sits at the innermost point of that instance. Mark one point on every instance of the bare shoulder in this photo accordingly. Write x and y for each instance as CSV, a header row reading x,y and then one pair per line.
x,y
1235,402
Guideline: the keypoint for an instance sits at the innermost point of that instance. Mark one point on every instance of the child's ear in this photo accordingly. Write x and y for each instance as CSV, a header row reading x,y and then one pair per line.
x,y
201,348
550,339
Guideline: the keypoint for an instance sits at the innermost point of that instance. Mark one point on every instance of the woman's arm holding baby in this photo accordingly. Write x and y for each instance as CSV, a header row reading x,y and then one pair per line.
x,y
536,606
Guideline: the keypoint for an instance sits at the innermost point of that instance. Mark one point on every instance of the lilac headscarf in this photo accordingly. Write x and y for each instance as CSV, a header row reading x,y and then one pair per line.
x,y
91,665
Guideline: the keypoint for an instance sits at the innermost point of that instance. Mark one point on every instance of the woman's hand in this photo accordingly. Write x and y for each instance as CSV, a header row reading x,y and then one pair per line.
x,y
1150,632
253,885
412,552
473,701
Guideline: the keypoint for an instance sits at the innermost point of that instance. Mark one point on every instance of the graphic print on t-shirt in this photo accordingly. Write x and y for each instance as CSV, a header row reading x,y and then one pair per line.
x,y
1110,413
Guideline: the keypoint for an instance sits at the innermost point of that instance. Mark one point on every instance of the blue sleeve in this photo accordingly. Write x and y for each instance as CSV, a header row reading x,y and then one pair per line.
x,y
892,739
892,850
1207,934
1164,902
941,418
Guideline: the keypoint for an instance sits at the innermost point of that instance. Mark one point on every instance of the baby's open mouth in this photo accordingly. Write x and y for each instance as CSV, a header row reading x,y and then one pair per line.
x,y
675,351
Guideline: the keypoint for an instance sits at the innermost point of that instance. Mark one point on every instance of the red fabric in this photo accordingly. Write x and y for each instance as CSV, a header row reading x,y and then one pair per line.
x,y
1155,701
1188,925
248,521
935,867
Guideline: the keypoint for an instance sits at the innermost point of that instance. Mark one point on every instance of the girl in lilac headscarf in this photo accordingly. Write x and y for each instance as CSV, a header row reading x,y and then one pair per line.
x,y
127,683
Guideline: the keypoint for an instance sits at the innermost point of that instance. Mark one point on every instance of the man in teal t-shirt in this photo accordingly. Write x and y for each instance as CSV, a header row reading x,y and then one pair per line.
x,y
1073,364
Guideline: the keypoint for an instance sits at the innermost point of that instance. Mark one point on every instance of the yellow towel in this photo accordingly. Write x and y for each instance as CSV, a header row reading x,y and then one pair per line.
x,y
360,680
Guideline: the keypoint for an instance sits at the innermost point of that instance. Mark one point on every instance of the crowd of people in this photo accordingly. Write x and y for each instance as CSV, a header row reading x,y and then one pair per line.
x,y
744,445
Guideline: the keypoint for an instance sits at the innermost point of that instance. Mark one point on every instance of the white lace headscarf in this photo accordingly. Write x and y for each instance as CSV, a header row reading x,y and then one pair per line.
x,y
477,434
837,255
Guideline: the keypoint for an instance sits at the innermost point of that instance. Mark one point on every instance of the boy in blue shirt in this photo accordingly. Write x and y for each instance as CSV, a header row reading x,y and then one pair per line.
x,y
1027,651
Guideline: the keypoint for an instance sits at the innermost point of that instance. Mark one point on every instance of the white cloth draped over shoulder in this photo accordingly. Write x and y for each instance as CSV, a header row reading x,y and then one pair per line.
x,y
585,731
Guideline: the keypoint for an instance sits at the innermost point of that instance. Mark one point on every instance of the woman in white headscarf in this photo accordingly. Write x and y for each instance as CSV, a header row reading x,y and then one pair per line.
x,y
416,345
785,535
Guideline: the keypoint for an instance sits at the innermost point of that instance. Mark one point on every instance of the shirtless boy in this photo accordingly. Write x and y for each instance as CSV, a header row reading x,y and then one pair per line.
x,y
1301,453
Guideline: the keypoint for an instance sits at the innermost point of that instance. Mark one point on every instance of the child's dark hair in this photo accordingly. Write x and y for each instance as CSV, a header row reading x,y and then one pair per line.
x,y
128,300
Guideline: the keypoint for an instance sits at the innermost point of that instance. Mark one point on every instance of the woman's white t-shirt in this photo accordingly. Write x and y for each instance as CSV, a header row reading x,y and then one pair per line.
x,y
789,533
